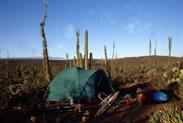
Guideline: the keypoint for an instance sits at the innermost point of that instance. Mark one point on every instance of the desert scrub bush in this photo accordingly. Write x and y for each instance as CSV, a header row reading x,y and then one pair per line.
x,y
9,92
14,89
29,84
174,75
168,115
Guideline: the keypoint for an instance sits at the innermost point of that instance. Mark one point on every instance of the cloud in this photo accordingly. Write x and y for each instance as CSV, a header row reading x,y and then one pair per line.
x,y
133,26
130,28
106,16
147,26
69,31
137,25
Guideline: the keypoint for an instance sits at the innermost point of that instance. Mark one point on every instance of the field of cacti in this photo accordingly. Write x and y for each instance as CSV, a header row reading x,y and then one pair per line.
x,y
23,81
102,61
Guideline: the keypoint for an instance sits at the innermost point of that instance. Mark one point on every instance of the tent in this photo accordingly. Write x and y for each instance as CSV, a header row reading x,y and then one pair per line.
x,y
78,83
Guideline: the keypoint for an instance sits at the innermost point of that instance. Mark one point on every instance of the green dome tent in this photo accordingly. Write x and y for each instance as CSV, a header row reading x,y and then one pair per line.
x,y
79,84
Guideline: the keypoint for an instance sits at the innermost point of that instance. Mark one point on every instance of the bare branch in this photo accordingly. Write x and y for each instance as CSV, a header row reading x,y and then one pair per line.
x,y
45,2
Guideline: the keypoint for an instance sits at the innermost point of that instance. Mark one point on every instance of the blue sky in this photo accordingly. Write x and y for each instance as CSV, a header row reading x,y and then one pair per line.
x,y
130,23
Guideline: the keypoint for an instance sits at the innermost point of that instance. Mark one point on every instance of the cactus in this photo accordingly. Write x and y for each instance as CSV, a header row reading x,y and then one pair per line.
x,y
45,55
155,49
169,49
45,49
86,49
150,45
77,47
113,50
18,71
67,59
112,61
67,56
90,60
169,114
175,75
105,53
80,61
116,63
74,61
7,66
116,59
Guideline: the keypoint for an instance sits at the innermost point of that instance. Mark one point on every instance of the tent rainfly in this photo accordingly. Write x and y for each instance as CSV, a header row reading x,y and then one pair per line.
x,y
79,84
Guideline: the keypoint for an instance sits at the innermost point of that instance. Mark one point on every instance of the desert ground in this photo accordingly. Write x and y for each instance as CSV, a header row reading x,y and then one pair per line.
x,y
22,88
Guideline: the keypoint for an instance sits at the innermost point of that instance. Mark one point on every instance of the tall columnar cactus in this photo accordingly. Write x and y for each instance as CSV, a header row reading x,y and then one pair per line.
x,y
116,59
113,50
116,63
150,49
105,53
80,61
67,58
86,49
74,61
45,54
77,47
169,48
155,49
7,67
18,71
90,60
45,49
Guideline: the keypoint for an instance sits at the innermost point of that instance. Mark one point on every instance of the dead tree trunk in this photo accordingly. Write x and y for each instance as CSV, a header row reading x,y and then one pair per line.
x,y
46,68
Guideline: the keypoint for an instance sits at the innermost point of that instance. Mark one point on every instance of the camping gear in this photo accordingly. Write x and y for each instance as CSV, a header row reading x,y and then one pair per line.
x,y
79,84
141,98
160,96
139,90
125,100
107,103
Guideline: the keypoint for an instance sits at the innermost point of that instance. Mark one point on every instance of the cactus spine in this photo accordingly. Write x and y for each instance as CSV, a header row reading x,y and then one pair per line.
x,y
91,60
77,47
86,49
169,49
105,53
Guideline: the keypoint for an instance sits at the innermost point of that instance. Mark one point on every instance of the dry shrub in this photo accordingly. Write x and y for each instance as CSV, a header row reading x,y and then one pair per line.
x,y
169,114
